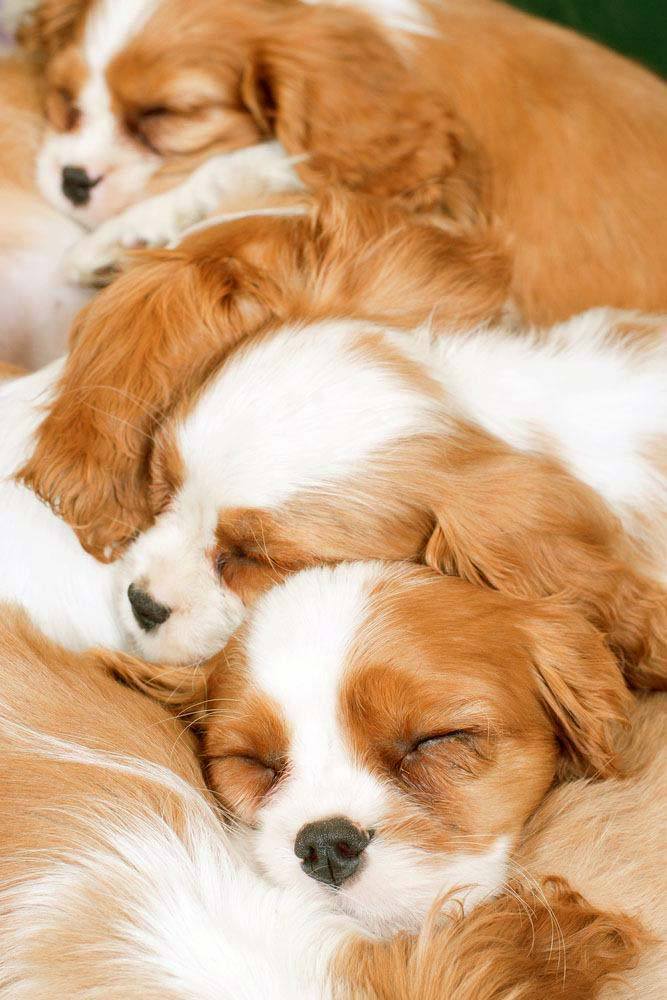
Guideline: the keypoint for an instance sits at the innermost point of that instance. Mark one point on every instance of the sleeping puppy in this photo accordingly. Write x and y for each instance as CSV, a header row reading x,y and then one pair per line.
x,y
37,305
118,879
381,734
531,462
468,108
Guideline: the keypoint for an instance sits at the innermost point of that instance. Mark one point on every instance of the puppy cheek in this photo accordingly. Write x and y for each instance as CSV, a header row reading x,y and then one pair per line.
x,y
273,850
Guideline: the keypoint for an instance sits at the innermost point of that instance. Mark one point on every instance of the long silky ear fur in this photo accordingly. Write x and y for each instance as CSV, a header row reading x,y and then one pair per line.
x,y
548,943
581,687
376,260
182,688
140,346
327,83
523,525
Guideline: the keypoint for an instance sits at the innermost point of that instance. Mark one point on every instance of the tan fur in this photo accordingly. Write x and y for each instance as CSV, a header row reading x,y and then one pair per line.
x,y
546,942
493,115
607,840
73,696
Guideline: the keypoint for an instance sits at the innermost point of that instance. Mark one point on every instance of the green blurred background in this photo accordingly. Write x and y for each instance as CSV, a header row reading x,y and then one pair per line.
x,y
636,27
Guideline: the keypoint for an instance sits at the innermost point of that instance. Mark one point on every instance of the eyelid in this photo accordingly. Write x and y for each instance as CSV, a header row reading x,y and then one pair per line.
x,y
449,735
248,758
153,112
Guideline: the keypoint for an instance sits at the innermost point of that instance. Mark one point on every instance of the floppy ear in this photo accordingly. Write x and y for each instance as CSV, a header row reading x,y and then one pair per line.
x,y
177,687
376,259
48,26
327,83
533,940
143,343
523,525
582,688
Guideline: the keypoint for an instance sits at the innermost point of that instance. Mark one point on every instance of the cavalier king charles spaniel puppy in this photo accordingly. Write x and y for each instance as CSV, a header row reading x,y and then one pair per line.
x,y
382,733
372,417
118,879
468,108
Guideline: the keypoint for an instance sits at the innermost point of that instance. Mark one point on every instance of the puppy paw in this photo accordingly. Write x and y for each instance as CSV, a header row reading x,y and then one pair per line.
x,y
97,258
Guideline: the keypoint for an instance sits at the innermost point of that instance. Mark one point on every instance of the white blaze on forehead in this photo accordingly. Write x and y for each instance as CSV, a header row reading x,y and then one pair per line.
x,y
110,24
298,644
295,412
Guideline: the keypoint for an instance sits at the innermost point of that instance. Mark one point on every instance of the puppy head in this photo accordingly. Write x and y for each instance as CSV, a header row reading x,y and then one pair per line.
x,y
249,476
152,339
385,733
137,87
131,89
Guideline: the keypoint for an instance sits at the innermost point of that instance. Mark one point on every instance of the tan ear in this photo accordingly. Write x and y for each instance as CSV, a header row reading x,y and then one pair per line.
x,y
327,83
523,525
177,687
376,259
581,686
546,942
142,344
50,25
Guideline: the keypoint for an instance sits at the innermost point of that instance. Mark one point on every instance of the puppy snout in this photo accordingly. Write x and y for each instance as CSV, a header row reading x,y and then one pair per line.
x,y
77,185
330,849
148,612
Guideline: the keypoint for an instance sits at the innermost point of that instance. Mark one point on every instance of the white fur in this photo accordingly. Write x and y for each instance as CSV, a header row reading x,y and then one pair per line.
x,y
300,637
99,144
68,594
142,911
308,407
37,305
244,173
296,411
398,15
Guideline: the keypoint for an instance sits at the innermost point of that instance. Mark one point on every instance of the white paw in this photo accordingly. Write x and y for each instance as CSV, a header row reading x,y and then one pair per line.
x,y
156,222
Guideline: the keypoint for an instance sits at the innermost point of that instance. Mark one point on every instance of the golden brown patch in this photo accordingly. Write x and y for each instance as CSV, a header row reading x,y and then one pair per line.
x,y
522,524
65,76
307,82
246,739
458,697
251,555
550,943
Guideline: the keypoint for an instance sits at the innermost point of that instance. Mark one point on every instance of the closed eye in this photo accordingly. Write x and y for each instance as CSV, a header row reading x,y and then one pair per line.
x,y
434,745
159,109
228,557
434,738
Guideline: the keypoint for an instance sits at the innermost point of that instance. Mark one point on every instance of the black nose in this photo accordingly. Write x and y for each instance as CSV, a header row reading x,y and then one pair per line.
x,y
148,613
330,849
77,185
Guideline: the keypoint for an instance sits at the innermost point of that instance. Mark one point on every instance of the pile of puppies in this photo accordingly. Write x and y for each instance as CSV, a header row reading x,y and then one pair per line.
x,y
333,550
